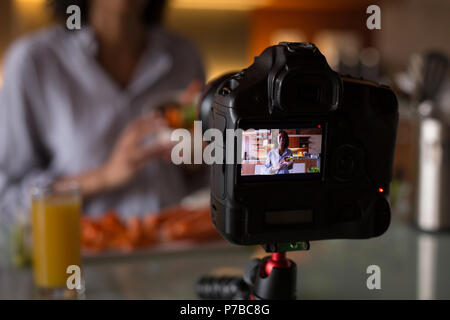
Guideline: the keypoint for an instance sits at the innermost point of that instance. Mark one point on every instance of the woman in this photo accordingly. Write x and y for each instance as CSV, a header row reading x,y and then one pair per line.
x,y
74,107
277,162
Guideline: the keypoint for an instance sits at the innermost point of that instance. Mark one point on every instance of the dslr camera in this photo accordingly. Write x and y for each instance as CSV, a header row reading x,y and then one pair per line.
x,y
314,157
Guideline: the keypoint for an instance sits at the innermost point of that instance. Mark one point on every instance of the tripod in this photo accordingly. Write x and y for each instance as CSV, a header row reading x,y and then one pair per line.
x,y
271,278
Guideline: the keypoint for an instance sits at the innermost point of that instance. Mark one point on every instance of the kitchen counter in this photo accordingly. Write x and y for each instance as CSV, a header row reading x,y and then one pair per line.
x,y
413,265
250,167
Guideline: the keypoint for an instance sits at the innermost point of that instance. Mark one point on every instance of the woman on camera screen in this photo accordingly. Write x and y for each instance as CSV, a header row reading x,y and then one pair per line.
x,y
279,159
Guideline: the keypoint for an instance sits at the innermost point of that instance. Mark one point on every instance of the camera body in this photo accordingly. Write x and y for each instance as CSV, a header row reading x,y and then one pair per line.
x,y
332,180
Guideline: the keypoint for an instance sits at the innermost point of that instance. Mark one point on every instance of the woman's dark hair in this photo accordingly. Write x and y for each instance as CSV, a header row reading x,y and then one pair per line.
x,y
285,139
152,14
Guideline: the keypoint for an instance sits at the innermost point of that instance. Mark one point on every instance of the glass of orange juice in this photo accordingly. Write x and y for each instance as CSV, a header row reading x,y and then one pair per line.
x,y
55,217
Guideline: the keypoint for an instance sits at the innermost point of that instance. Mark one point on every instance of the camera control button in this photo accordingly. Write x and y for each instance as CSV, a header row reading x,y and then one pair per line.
x,y
297,46
225,91
345,162
240,75
229,86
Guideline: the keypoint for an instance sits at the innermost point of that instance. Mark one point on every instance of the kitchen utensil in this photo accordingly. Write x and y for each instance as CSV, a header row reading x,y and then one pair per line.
x,y
433,178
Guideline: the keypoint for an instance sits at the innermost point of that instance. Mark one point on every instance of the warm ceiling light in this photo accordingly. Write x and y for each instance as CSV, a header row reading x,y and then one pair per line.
x,y
28,6
219,4
29,2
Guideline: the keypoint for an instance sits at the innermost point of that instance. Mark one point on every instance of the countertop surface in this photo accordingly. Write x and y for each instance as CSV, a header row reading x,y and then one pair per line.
x,y
413,265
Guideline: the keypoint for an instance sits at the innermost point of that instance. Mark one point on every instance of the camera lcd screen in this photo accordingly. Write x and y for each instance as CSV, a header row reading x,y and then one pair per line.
x,y
281,152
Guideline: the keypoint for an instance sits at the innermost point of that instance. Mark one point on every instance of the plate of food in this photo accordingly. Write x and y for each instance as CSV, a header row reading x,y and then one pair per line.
x,y
176,228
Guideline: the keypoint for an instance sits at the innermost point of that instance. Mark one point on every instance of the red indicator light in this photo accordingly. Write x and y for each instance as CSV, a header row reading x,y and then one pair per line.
x,y
380,190
319,126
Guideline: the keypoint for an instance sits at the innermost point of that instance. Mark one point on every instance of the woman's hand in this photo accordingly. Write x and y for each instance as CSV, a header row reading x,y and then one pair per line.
x,y
129,156
283,164
131,153
274,169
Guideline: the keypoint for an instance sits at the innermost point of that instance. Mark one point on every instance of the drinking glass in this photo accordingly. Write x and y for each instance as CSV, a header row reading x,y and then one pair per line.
x,y
55,218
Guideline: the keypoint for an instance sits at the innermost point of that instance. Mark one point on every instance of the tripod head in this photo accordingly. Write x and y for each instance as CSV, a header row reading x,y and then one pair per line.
x,y
271,278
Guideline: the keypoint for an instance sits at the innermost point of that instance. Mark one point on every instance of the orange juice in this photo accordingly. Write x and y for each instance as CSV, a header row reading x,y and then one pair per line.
x,y
56,238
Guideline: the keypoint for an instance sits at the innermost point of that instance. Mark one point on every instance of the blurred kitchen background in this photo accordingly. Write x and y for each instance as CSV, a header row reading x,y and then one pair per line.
x,y
229,33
